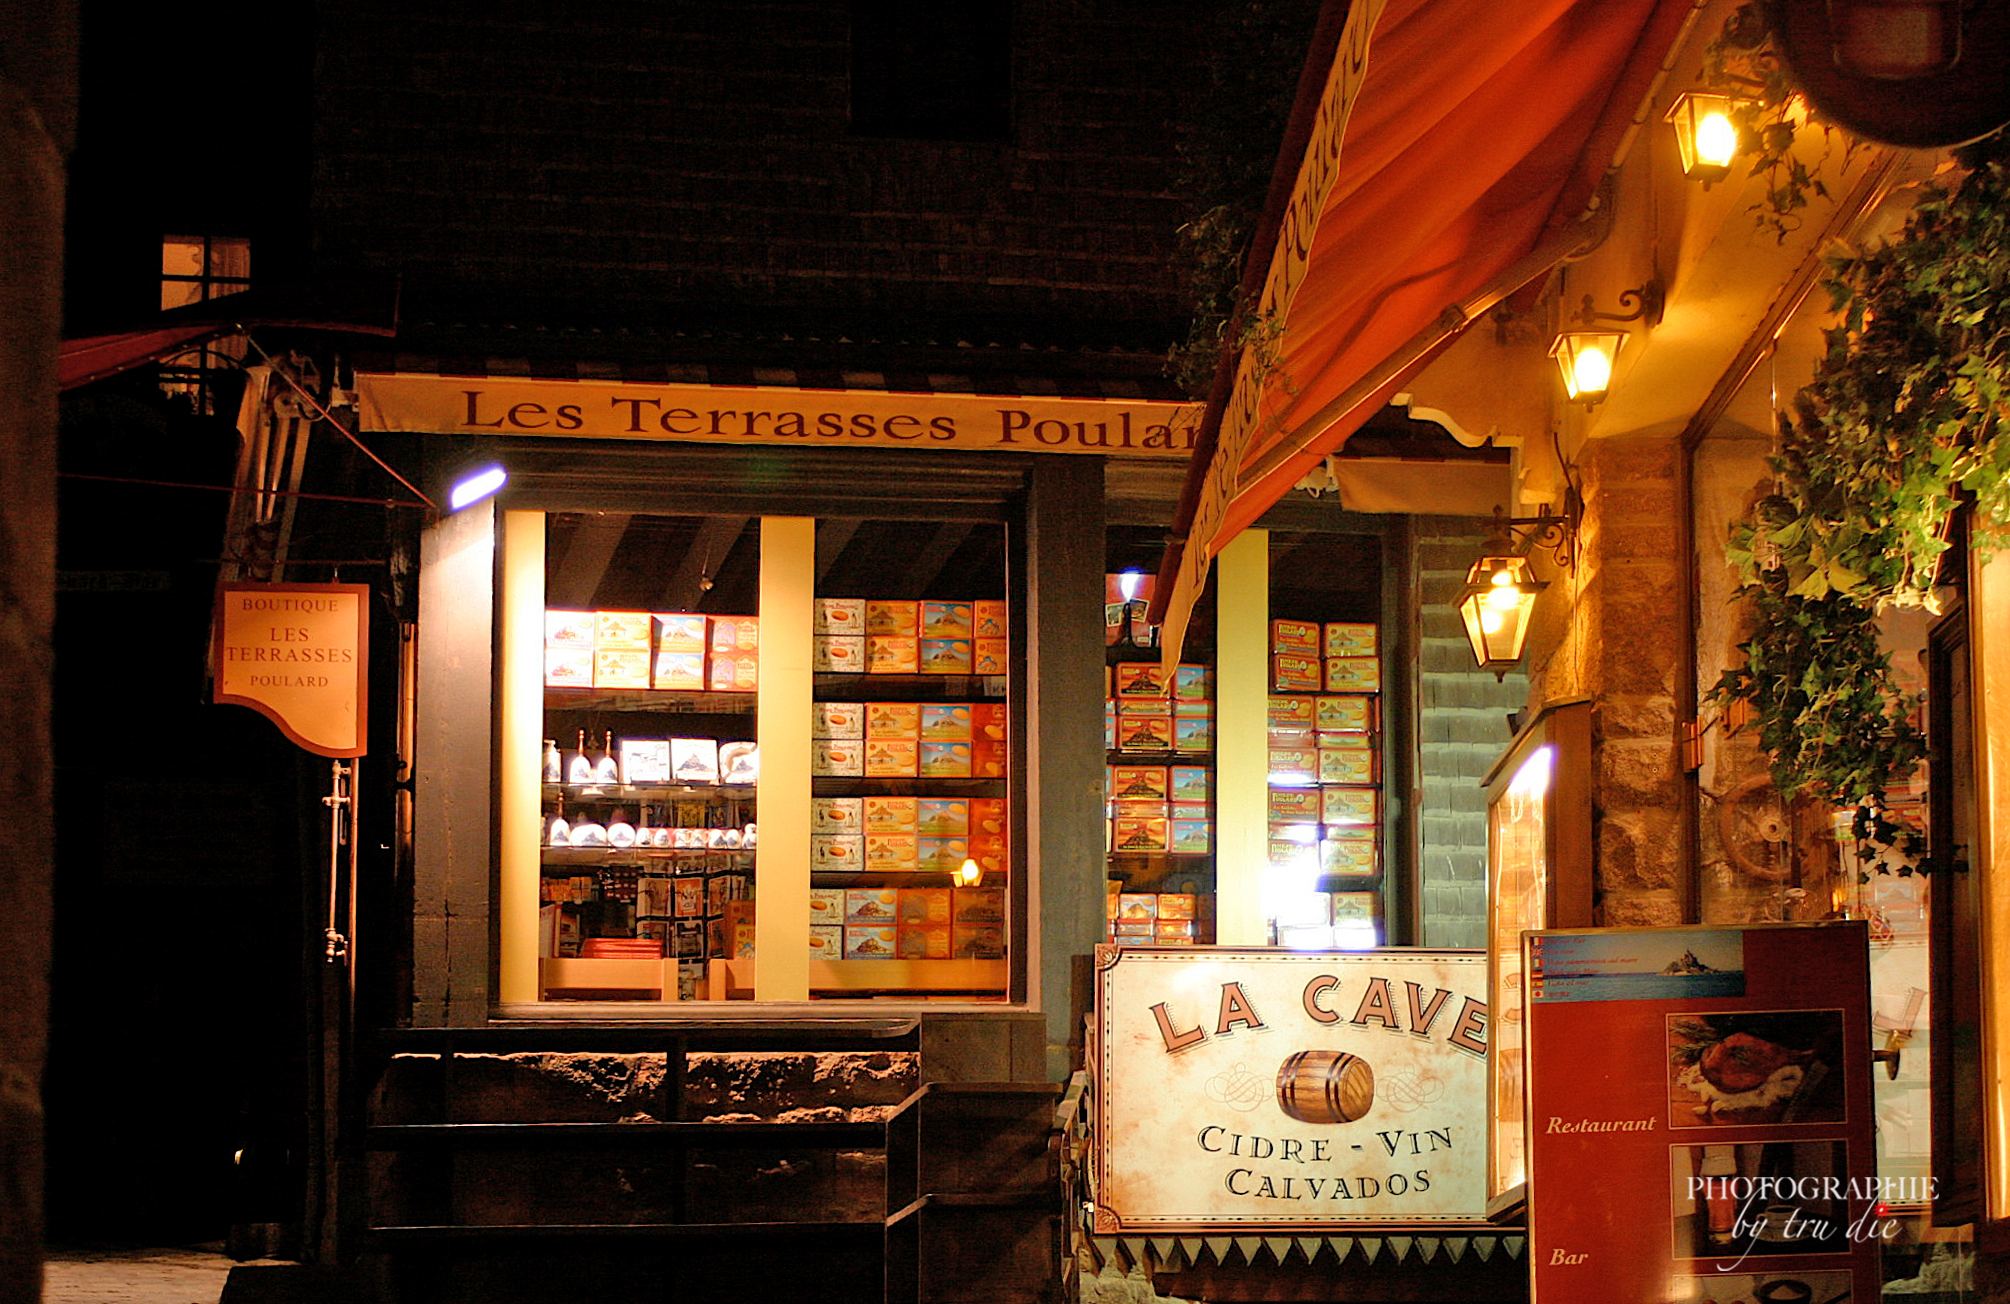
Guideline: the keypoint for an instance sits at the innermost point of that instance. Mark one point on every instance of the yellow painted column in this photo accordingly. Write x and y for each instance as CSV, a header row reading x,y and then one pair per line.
x,y
1241,745
1989,658
782,723
519,744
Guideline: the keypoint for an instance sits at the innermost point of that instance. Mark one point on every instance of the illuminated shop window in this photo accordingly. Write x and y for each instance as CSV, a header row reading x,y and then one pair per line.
x,y
197,268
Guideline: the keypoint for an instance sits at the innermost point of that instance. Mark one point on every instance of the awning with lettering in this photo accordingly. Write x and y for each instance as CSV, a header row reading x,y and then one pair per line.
x,y
1456,153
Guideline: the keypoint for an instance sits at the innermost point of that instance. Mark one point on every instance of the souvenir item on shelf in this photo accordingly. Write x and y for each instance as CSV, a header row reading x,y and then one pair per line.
x,y
554,768
606,772
579,771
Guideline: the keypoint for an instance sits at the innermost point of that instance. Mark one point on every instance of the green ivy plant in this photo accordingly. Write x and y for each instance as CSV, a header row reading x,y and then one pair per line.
x,y
1902,424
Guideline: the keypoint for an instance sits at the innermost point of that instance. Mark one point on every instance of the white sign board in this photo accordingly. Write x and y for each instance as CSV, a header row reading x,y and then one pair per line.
x,y
1255,1089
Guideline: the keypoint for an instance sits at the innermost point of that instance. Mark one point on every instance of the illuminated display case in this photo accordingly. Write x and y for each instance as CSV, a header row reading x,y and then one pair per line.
x,y
1538,798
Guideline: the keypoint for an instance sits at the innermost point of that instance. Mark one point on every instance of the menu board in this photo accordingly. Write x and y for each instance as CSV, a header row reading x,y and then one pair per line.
x,y
1699,1115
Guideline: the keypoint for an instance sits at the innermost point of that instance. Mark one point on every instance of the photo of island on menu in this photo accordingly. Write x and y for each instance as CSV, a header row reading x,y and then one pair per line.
x,y
1699,1115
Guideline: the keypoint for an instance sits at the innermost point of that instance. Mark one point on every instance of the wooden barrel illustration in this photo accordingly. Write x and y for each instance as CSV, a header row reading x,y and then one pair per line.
x,y
1325,1086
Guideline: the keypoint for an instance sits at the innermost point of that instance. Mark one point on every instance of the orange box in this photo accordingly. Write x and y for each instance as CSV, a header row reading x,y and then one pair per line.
x,y
1291,712
1296,636
977,942
924,941
988,817
990,656
1176,905
1147,833
735,634
1294,767
1138,783
988,720
924,905
987,618
1144,733
1349,807
1139,679
977,905
1295,672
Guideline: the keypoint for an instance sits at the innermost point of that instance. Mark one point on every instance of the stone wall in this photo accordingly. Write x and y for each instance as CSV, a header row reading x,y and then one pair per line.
x,y
1633,574
37,92
1462,726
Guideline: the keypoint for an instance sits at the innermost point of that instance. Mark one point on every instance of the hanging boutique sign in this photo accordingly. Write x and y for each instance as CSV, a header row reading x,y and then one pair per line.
x,y
760,414
298,655
1254,1089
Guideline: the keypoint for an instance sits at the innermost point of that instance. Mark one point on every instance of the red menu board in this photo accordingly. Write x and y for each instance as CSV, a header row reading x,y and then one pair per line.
x,y
1699,1115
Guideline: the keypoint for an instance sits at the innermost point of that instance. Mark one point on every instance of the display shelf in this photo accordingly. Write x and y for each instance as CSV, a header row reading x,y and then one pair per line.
x,y
619,794
848,687
734,979
907,785
900,878
595,856
673,701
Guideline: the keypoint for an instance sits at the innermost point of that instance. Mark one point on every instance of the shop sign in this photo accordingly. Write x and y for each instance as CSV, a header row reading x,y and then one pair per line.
x,y
1700,1115
1280,1089
298,655
798,418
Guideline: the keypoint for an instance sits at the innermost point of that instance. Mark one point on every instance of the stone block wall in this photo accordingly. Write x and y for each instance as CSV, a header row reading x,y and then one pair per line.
x,y
1462,726
37,117
635,160
1629,620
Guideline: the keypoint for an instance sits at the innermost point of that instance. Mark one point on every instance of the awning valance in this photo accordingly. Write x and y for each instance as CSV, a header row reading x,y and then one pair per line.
x,y
1474,145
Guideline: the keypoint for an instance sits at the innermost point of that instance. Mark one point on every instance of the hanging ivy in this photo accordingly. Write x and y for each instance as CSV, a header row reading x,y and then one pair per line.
x,y
1902,423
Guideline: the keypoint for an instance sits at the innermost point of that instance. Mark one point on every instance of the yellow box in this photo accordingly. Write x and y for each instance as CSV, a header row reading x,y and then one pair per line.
x,y
893,720
620,667
1349,807
892,654
1353,675
1350,639
892,815
1345,713
893,616
627,631
892,852
1347,765
890,758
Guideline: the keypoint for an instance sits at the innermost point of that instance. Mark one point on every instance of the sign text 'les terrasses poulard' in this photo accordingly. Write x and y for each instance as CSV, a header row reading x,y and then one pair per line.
x,y
593,409
1278,1089
298,655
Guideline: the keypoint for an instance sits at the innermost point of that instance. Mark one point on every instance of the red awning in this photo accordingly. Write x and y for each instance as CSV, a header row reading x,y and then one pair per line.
x,y
98,356
1474,145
